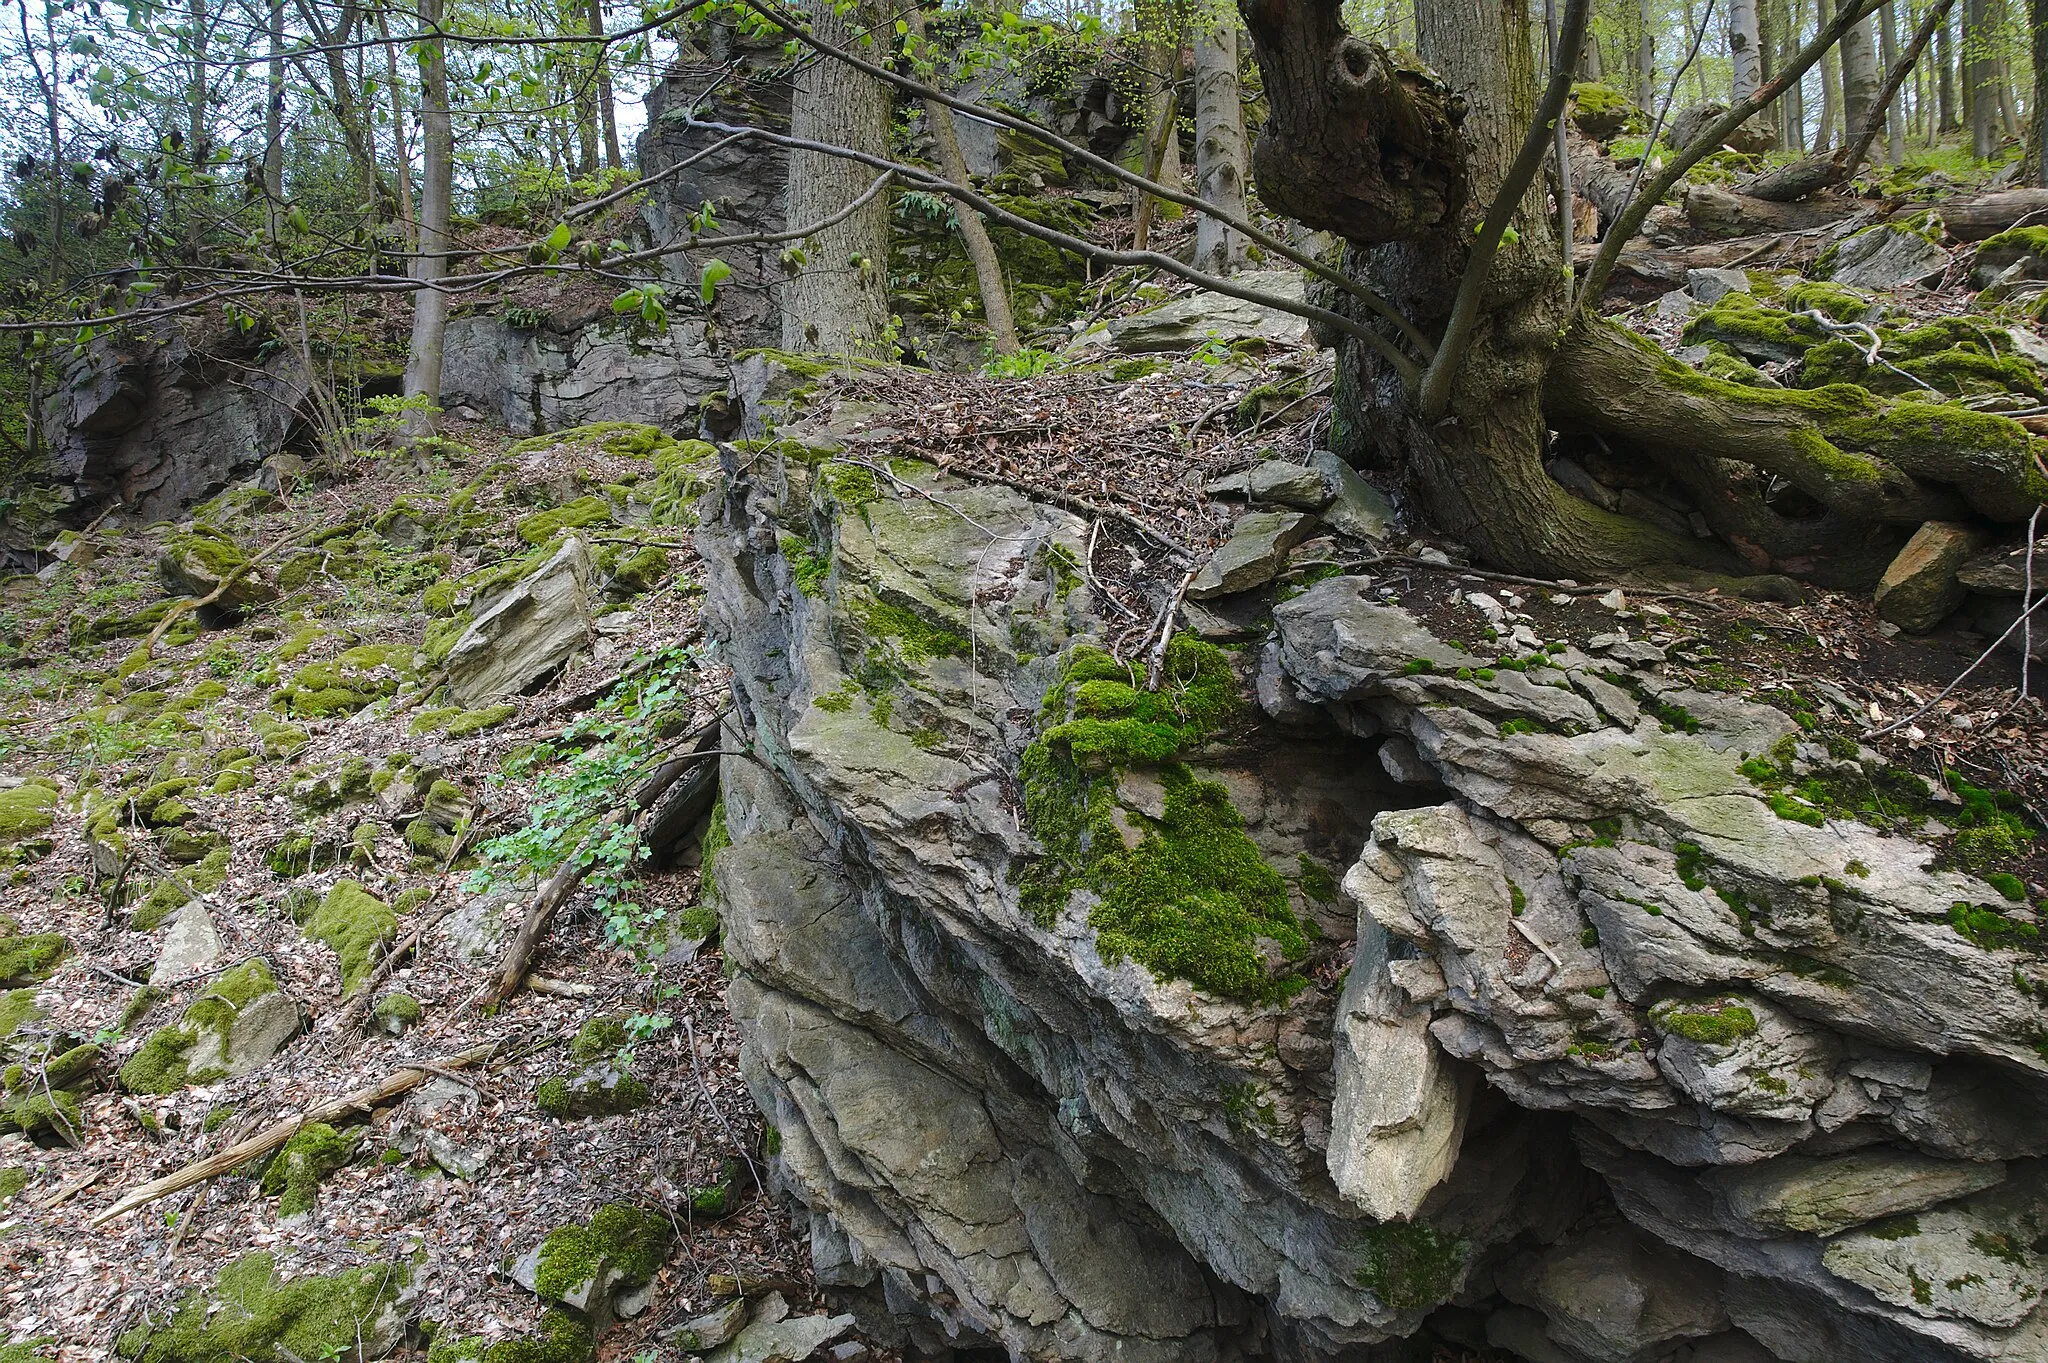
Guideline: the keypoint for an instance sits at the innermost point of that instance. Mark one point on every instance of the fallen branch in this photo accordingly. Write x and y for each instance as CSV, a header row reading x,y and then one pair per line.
x,y
1155,664
398,1082
512,969
186,605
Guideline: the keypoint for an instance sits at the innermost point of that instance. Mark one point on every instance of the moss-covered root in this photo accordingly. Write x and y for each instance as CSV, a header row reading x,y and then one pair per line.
x,y
1857,455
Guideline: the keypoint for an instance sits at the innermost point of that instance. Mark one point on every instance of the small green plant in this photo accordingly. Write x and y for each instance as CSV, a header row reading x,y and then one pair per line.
x,y
1027,363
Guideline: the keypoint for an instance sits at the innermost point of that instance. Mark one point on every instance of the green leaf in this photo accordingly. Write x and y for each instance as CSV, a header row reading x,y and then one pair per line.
x,y
629,301
558,240
715,272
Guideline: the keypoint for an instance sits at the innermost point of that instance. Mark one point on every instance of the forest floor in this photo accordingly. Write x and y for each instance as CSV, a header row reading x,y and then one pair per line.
x,y
272,799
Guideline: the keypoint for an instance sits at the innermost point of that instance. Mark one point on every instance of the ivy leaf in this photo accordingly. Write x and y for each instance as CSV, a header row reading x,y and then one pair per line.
x,y
716,271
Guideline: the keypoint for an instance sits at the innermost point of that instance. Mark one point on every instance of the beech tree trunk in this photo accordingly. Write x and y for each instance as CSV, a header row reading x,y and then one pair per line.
x,y
1894,119
837,302
1830,86
2037,111
1945,82
1219,138
1977,80
1646,56
607,110
1859,78
1745,50
437,188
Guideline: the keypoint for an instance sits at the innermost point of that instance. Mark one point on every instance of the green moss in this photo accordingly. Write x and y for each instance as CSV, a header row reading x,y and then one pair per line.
x,y
396,1007
251,1316
1316,882
543,526
641,570
2007,884
2031,241
356,926
30,959
295,1173
620,1235
1838,301
561,1339
916,639
552,1097
359,676
1410,1266
1711,1022
1988,928
18,1008
26,811
600,1039
716,839
13,1179
806,568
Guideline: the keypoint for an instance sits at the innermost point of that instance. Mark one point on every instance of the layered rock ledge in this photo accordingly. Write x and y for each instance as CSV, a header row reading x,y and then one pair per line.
x,y
1624,1038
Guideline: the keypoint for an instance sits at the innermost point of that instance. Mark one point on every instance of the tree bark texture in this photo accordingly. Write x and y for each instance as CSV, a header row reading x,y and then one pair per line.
x,y
1219,138
1945,81
607,109
1894,121
837,302
1355,142
2037,110
437,187
1977,73
1745,50
1859,78
1830,86
1646,56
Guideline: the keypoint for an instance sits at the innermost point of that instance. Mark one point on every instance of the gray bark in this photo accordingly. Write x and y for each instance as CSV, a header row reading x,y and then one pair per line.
x,y
1646,56
1860,78
606,109
273,117
1894,120
837,302
1977,74
1830,86
1745,50
1220,153
437,184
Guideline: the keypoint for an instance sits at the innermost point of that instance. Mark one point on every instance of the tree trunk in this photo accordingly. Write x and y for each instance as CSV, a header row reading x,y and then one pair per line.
x,y
1945,84
1792,104
981,251
198,151
1830,86
356,140
2037,113
401,141
1859,78
607,109
1894,119
1219,138
1646,56
1977,81
437,185
2006,117
273,120
837,302
1161,24
1165,119
1745,50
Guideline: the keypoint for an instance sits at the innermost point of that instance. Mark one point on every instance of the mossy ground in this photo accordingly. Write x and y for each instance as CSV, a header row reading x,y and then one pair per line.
x,y
294,1174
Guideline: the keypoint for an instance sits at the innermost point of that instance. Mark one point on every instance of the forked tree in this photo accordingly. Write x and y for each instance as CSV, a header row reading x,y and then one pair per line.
x,y
1431,177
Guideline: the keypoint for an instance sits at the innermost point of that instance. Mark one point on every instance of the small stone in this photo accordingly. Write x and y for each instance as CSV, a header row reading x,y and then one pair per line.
x,y
1887,257
1635,653
1676,306
701,1334
1254,554
782,1338
1615,599
1920,588
1711,286
2003,572
1401,761
1360,509
190,947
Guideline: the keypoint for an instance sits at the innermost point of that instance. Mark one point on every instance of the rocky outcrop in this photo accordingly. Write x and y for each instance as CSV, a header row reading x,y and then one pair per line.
x,y
1625,1038
164,419
560,373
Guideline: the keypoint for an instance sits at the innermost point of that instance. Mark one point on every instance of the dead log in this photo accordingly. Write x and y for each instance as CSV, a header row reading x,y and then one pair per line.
x,y
271,1137
1670,265
541,910
1711,208
1987,215
1783,184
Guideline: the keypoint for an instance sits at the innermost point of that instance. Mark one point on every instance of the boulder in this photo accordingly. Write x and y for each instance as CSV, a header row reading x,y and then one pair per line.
x,y
1275,482
1920,588
1359,510
1203,317
528,633
775,1336
1613,1296
194,564
1886,257
1798,1195
1254,555
236,1025
2003,572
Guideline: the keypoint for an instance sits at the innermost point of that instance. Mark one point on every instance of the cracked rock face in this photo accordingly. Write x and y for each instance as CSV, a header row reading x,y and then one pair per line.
x,y
1623,1066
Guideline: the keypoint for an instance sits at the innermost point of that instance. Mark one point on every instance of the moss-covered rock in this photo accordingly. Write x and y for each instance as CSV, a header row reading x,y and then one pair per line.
x,y
19,1008
543,526
40,1099
356,926
26,813
30,958
195,563
1600,111
347,683
241,1020
252,1314
395,1013
346,782
582,1266
294,1173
